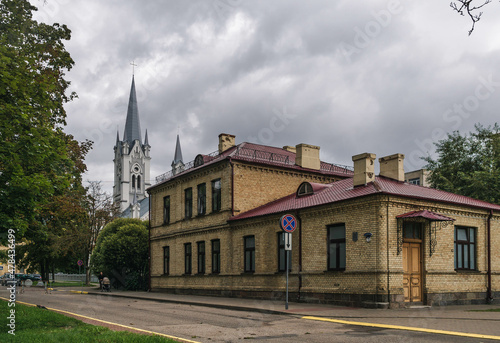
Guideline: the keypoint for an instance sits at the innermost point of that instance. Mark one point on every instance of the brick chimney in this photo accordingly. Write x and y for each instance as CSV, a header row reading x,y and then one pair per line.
x,y
364,169
392,167
307,156
226,141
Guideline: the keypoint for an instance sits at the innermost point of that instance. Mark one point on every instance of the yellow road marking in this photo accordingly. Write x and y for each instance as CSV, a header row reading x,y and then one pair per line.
x,y
406,328
106,322
79,292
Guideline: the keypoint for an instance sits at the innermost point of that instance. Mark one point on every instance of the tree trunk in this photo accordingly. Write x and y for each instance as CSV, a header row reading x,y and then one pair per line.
x,y
87,271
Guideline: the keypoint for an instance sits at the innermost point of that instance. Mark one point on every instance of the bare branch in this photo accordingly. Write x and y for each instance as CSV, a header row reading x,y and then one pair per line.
x,y
465,7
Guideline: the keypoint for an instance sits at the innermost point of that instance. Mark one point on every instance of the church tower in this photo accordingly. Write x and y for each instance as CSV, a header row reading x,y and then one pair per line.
x,y
132,160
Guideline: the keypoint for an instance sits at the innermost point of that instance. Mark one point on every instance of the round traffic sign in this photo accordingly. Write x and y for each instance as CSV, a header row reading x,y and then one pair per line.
x,y
80,263
288,223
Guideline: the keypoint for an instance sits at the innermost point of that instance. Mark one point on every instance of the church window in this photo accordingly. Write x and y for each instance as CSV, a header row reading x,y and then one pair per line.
x,y
202,199
216,195
188,202
138,182
133,181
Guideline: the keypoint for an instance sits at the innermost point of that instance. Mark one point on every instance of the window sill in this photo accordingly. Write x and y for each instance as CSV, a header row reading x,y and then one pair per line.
x,y
334,271
467,271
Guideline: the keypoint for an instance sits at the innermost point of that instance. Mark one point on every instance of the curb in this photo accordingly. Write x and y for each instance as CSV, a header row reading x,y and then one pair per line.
x,y
193,303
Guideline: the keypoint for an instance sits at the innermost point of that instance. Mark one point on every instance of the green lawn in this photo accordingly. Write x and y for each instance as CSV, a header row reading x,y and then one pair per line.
x,y
41,325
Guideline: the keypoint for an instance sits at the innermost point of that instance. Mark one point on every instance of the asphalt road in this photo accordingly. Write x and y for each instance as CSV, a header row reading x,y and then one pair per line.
x,y
204,324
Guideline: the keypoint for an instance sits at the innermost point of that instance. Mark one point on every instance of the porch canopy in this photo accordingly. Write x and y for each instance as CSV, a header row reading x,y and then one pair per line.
x,y
428,216
431,216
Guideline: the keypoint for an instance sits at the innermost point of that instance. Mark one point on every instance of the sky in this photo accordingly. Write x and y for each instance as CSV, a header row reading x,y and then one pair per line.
x,y
375,76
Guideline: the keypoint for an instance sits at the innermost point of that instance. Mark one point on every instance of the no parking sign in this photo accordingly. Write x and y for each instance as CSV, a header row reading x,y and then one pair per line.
x,y
288,223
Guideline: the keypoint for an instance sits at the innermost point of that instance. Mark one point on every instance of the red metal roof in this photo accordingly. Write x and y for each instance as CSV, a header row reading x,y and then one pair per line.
x,y
344,190
426,214
261,154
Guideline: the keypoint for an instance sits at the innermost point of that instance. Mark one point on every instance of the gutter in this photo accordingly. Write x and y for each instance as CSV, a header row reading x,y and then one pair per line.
x,y
489,297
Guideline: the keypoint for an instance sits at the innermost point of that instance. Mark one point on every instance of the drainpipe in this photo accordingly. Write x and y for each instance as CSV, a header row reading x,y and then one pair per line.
x,y
149,244
489,297
388,274
232,186
300,252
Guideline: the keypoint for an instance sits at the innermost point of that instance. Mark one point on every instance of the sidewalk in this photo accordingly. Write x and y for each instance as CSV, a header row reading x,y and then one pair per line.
x,y
463,319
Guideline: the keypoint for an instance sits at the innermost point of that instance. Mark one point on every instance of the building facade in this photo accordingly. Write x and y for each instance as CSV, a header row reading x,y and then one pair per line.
x,y
132,165
362,239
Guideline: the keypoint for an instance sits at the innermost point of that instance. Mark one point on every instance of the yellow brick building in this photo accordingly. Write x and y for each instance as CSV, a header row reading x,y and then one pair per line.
x,y
361,239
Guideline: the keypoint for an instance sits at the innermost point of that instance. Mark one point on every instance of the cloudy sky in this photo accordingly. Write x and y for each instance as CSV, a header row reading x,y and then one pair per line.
x,y
348,76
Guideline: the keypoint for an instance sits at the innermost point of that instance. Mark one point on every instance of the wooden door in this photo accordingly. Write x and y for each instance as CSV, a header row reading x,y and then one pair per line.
x,y
412,272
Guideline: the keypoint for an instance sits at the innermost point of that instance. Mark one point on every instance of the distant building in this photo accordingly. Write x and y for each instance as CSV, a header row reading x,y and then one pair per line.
x,y
132,165
418,177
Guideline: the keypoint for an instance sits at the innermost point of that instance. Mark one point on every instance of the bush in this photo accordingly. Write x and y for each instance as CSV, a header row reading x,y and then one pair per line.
x,y
121,253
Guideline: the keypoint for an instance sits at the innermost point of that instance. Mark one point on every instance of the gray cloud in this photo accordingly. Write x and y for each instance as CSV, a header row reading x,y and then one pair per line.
x,y
208,67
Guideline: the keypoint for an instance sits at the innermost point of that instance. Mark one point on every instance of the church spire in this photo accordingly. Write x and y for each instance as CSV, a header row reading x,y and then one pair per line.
x,y
177,163
146,141
132,125
178,152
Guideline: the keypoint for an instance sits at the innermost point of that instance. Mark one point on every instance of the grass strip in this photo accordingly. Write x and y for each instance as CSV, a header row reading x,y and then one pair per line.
x,y
34,324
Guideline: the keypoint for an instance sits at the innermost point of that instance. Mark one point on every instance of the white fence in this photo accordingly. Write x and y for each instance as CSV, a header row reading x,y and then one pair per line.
x,y
72,277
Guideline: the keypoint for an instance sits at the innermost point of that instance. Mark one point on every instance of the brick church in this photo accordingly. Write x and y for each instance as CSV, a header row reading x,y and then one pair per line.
x,y
362,239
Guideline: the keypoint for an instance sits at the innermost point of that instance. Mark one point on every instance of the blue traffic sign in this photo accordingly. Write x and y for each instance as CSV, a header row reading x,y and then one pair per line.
x,y
288,223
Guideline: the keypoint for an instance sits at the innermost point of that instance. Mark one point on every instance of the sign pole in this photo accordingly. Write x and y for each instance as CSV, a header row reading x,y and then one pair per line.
x,y
286,303
288,224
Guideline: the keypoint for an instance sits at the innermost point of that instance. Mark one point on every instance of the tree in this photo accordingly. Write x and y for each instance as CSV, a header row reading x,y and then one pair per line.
x,y
101,210
34,154
466,7
53,237
121,253
469,164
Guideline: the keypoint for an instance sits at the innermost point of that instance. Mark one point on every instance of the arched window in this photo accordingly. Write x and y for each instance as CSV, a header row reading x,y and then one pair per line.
x,y
305,188
133,181
138,182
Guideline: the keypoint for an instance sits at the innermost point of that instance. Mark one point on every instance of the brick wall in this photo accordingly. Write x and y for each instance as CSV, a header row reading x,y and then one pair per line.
x,y
373,273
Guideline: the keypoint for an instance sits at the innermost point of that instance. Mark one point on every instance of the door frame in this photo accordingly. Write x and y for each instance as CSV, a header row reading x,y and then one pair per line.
x,y
422,279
